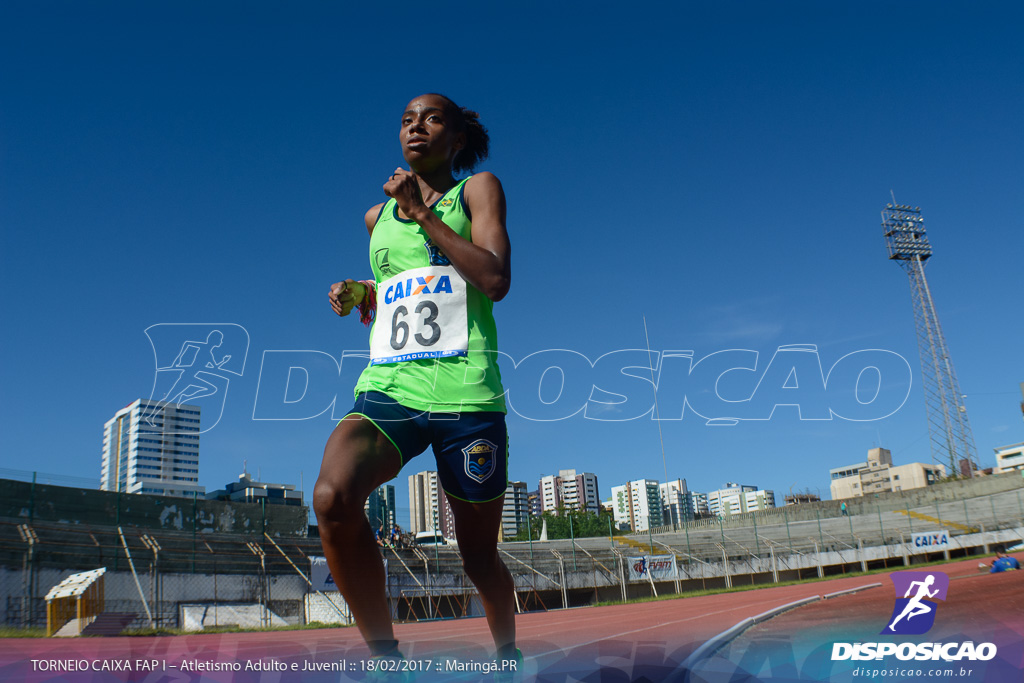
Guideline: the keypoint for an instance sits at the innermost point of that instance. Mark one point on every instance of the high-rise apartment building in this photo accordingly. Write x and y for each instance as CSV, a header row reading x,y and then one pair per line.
x,y
734,499
152,447
637,505
248,490
515,510
699,504
570,491
675,502
878,475
380,507
428,506
1009,458
533,501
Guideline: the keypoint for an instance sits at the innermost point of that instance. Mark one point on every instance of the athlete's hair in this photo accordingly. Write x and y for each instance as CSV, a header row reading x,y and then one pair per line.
x,y
477,140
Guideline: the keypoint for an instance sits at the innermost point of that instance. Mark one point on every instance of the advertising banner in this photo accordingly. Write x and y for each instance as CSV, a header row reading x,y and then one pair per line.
x,y
656,567
930,541
320,574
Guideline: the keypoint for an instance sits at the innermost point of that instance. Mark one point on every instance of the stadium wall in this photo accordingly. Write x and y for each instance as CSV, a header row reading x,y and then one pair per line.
x,y
29,502
962,489
22,602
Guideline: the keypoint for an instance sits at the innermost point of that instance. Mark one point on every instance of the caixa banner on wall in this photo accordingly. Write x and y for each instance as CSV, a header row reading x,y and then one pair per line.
x,y
652,567
320,578
930,541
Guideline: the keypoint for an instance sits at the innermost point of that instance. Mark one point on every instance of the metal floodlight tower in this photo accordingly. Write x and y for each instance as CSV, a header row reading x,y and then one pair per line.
x,y
948,426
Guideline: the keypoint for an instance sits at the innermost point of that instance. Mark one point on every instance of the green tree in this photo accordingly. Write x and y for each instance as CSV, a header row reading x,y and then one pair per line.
x,y
584,525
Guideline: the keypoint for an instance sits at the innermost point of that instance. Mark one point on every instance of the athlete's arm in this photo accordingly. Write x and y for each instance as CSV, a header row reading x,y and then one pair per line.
x,y
347,294
486,261
371,217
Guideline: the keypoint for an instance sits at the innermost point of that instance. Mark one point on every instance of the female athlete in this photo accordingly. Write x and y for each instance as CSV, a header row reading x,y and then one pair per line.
x,y
440,255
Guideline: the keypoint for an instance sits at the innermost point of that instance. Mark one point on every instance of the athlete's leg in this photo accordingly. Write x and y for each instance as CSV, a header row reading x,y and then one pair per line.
x,y
358,458
476,526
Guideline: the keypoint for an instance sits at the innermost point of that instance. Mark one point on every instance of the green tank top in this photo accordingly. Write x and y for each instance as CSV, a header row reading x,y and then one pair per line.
x,y
469,383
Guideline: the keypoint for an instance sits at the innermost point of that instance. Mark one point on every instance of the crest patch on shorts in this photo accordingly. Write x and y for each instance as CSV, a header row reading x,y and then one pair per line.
x,y
479,460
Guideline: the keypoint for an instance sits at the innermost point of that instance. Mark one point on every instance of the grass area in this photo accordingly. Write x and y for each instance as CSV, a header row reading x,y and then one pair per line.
x,y
758,586
12,632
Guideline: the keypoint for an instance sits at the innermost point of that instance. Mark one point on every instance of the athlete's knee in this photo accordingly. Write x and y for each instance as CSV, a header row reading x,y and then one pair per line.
x,y
480,563
335,502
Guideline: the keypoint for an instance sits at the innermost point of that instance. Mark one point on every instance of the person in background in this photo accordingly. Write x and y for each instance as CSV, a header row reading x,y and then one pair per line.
x,y
1004,563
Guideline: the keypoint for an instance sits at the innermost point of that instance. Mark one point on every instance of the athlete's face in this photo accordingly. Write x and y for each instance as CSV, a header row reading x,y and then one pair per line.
x,y
428,135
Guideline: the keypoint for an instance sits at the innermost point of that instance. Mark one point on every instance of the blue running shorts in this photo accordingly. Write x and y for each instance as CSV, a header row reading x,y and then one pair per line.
x,y
471,449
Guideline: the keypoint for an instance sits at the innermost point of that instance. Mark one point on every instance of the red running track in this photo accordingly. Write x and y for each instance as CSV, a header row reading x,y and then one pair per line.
x,y
639,640
979,607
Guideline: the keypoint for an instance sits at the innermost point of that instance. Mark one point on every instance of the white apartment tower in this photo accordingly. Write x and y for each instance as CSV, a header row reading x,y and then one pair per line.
x,y
515,510
428,506
637,505
735,499
698,504
569,490
675,502
152,447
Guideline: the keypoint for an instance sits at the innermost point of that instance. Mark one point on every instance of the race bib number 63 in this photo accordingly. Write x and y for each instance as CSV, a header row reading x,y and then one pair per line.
x,y
421,313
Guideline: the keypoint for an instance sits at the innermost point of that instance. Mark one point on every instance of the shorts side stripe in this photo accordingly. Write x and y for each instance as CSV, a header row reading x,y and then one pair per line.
x,y
476,502
386,435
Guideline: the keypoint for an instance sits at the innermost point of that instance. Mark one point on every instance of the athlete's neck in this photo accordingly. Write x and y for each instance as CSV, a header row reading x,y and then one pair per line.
x,y
435,183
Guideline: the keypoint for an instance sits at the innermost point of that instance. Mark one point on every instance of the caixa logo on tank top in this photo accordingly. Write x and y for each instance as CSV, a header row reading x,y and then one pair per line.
x,y
479,460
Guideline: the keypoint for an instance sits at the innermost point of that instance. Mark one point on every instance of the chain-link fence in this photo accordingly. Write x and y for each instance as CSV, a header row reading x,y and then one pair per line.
x,y
182,580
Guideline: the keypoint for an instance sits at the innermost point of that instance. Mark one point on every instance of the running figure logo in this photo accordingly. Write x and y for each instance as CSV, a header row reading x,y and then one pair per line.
x,y
194,364
914,612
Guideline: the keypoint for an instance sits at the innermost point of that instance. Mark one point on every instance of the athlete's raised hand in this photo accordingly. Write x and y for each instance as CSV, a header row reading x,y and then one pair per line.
x,y
404,187
346,295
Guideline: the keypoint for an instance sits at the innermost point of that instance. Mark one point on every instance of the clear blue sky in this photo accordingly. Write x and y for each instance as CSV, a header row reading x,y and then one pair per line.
x,y
718,168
